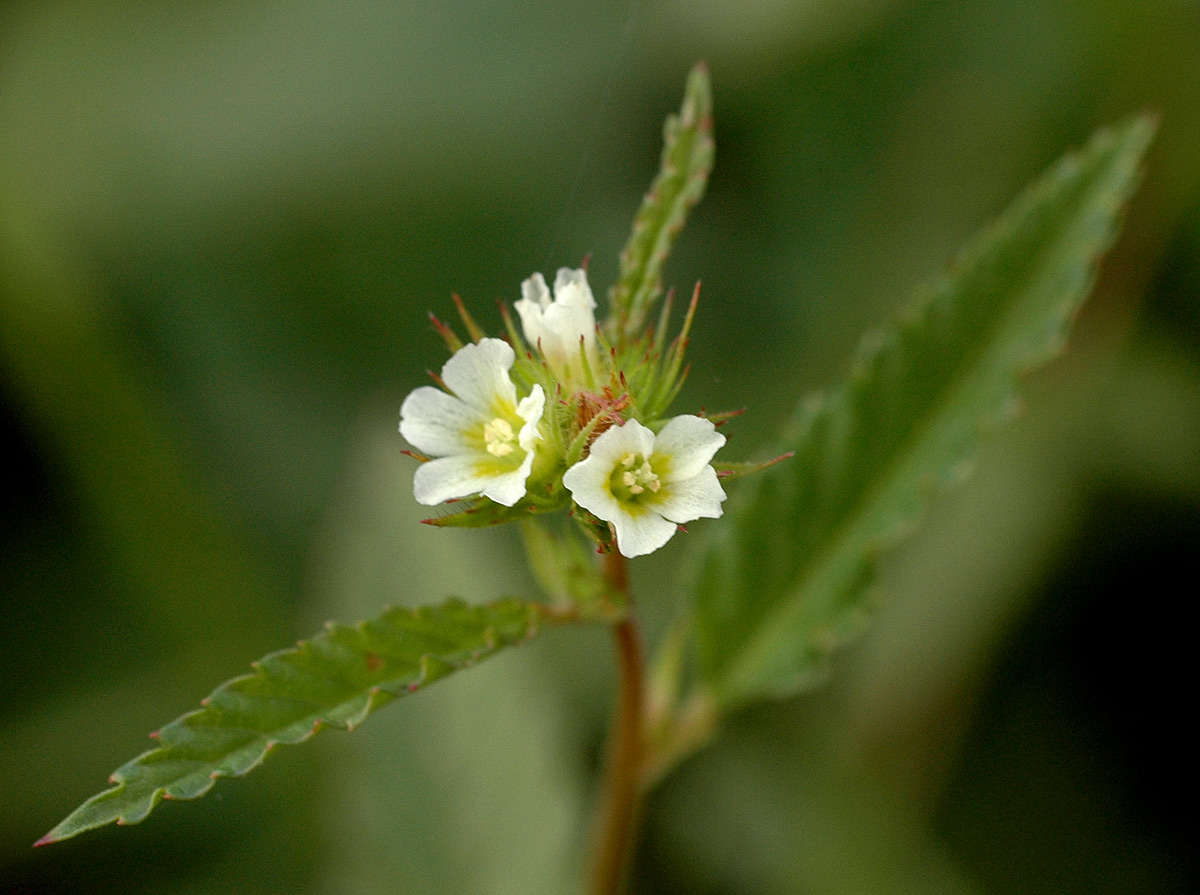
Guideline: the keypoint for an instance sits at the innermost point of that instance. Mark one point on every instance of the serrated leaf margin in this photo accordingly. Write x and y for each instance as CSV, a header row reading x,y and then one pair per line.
x,y
686,162
734,681
443,638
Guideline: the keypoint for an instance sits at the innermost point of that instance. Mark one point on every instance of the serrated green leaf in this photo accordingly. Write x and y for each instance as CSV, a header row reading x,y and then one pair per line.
x,y
789,576
687,159
335,679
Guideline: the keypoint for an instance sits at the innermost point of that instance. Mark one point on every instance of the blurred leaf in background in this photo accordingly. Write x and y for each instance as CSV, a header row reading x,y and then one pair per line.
x,y
221,226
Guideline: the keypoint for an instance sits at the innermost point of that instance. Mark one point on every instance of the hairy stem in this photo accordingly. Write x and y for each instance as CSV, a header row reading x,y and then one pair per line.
x,y
617,820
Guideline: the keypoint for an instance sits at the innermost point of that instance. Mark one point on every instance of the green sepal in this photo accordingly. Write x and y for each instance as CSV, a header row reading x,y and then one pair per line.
x,y
727,472
595,529
687,159
479,512
336,679
789,575
566,569
474,330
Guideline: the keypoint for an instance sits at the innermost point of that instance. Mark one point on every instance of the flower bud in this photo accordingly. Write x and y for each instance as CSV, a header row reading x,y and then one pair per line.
x,y
563,330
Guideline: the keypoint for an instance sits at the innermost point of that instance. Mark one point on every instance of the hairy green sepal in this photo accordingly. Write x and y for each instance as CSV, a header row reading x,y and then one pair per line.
x,y
789,575
335,679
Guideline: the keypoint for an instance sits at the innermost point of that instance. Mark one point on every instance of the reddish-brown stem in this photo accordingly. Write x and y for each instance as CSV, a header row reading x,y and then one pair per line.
x,y
619,806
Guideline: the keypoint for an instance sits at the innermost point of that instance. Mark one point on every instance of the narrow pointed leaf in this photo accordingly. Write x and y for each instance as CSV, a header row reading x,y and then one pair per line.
x,y
335,679
687,159
789,577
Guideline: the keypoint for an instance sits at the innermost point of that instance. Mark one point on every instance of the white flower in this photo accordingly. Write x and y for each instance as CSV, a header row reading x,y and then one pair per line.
x,y
645,485
483,436
557,326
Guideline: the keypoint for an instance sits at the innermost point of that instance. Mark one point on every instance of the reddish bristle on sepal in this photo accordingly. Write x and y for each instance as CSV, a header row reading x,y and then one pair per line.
x,y
720,419
510,328
659,339
474,330
737,470
453,342
691,312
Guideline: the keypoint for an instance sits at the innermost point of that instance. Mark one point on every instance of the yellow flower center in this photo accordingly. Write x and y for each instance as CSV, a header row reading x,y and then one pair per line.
x,y
633,476
499,438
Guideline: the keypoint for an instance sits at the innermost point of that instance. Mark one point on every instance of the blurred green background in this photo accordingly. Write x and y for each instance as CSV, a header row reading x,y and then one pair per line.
x,y
221,226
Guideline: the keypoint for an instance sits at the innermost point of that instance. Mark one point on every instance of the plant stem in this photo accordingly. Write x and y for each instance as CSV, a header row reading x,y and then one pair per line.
x,y
619,804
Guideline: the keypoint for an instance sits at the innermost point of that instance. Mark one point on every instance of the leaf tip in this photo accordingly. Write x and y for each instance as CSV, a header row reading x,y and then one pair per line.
x,y
1146,122
698,91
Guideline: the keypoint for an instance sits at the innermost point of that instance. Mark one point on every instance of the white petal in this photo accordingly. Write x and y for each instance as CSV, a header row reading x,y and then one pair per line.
x,y
587,481
530,409
531,322
690,442
508,488
696,498
566,325
434,422
464,475
640,534
478,374
449,477
571,288
534,291
535,298
613,444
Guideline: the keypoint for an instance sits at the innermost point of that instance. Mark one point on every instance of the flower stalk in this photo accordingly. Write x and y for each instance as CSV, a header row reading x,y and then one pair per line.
x,y
620,803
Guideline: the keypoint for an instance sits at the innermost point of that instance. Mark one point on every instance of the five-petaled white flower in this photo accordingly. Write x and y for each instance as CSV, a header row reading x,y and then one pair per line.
x,y
483,437
646,484
557,327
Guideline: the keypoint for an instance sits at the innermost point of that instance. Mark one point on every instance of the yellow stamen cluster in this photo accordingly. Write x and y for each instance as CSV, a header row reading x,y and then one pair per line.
x,y
499,438
638,478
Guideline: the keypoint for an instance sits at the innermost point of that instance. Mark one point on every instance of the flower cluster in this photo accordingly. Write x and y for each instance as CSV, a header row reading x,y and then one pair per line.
x,y
573,420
